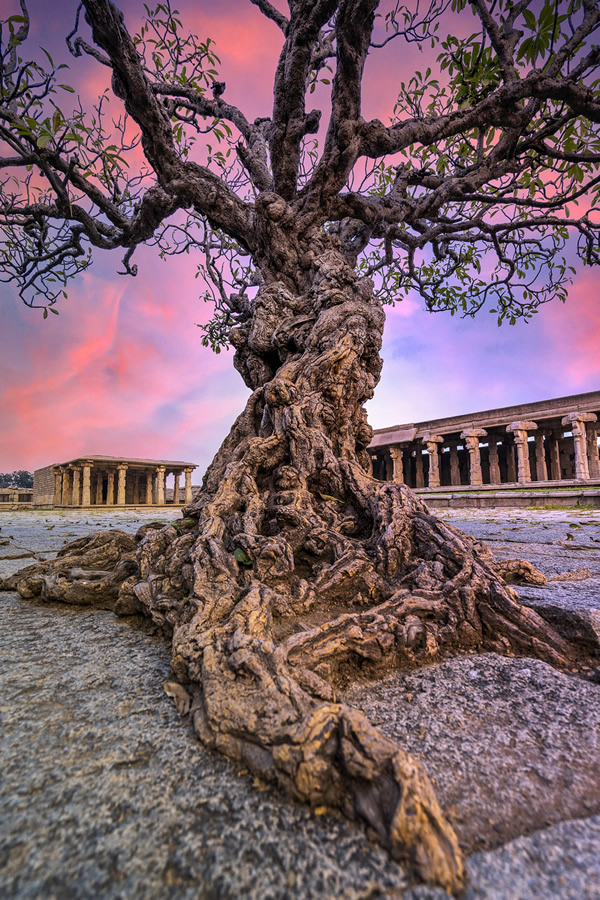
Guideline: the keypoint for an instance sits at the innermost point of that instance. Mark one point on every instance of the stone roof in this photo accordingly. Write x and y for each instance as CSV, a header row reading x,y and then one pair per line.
x,y
490,418
170,463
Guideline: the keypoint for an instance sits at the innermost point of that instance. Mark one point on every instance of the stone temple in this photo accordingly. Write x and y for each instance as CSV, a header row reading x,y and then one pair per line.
x,y
551,441
111,481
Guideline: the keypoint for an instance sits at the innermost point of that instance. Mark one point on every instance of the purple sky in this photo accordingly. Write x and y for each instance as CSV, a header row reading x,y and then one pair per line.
x,y
122,370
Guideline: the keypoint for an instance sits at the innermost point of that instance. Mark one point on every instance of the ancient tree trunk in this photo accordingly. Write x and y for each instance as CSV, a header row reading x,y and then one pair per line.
x,y
295,570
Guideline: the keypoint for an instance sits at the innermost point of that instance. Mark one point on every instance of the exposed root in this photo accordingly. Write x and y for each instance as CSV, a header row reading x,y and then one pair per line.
x,y
261,650
519,571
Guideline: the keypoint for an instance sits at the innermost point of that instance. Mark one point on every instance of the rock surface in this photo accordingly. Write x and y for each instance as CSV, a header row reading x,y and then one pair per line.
x,y
106,793
564,545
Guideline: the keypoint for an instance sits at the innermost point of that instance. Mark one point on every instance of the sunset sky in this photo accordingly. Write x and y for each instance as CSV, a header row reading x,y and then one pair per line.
x,y
121,370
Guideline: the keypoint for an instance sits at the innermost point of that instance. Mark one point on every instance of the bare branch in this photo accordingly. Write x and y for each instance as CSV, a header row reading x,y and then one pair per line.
x,y
268,10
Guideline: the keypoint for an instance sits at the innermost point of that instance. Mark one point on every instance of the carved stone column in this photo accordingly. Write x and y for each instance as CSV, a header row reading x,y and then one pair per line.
x,y
136,489
555,473
148,488
64,499
511,469
122,470
576,421
86,496
397,467
57,485
471,438
454,465
76,485
592,447
176,476
160,485
520,431
110,490
541,470
420,480
188,485
494,464
431,441
99,485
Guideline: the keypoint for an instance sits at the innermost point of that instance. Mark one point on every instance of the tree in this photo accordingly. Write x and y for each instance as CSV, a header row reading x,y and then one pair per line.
x,y
294,569
19,479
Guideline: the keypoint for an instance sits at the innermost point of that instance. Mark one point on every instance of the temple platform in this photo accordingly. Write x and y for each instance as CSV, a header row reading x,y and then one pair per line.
x,y
550,494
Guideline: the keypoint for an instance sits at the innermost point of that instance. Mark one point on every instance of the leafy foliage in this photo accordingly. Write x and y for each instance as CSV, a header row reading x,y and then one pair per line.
x,y
18,479
469,195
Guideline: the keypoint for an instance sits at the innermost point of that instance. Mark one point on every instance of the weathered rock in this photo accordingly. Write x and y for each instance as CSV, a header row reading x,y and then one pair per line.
x,y
511,745
105,794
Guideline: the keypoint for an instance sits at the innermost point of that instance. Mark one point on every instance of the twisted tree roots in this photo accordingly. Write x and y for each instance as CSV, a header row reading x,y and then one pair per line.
x,y
265,630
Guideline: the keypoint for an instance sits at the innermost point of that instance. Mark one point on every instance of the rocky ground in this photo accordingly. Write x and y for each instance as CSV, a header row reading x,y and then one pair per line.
x,y
104,793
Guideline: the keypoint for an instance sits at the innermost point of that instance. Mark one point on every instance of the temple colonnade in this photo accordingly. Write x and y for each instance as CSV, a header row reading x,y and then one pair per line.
x,y
107,481
559,445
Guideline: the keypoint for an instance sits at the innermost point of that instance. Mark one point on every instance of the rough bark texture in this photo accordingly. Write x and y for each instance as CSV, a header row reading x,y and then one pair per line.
x,y
295,570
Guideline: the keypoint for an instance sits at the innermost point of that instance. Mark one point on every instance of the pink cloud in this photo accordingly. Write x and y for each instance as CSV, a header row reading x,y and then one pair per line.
x,y
122,369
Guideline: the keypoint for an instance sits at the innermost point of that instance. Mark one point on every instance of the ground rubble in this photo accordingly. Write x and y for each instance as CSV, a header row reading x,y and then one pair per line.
x,y
106,794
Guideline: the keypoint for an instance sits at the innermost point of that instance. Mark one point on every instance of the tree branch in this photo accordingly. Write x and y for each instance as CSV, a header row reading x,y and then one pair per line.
x,y
189,182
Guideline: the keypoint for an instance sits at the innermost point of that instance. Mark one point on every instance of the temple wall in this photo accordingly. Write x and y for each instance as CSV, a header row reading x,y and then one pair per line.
x,y
43,487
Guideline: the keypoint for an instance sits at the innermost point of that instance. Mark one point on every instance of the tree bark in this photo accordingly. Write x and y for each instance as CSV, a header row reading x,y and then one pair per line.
x,y
295,571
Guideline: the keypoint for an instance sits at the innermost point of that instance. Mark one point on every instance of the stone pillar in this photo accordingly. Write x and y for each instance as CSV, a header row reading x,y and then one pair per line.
x,y
541,470
511,471
593,455
86,497
148,488
431,441
519,431
397,467
555,473
122,470
176,476
136,489
494,464
188,484
110,491
64,500
454,465
57,485
420,480
160,485
99,481
576,422
471,438
76,485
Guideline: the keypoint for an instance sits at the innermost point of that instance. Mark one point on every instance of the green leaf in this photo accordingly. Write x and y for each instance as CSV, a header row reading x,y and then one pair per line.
x,y
55,311
43,140
67,87
242,557
45,313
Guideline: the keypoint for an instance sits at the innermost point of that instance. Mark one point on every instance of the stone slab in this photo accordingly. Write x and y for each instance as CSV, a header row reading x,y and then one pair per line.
x,y
105,794
511,745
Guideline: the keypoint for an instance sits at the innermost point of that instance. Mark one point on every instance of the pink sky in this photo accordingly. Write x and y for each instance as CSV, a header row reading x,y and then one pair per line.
x,y
122,370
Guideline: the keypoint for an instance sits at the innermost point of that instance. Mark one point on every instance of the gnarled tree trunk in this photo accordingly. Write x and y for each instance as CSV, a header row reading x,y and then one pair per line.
x,y
295,569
